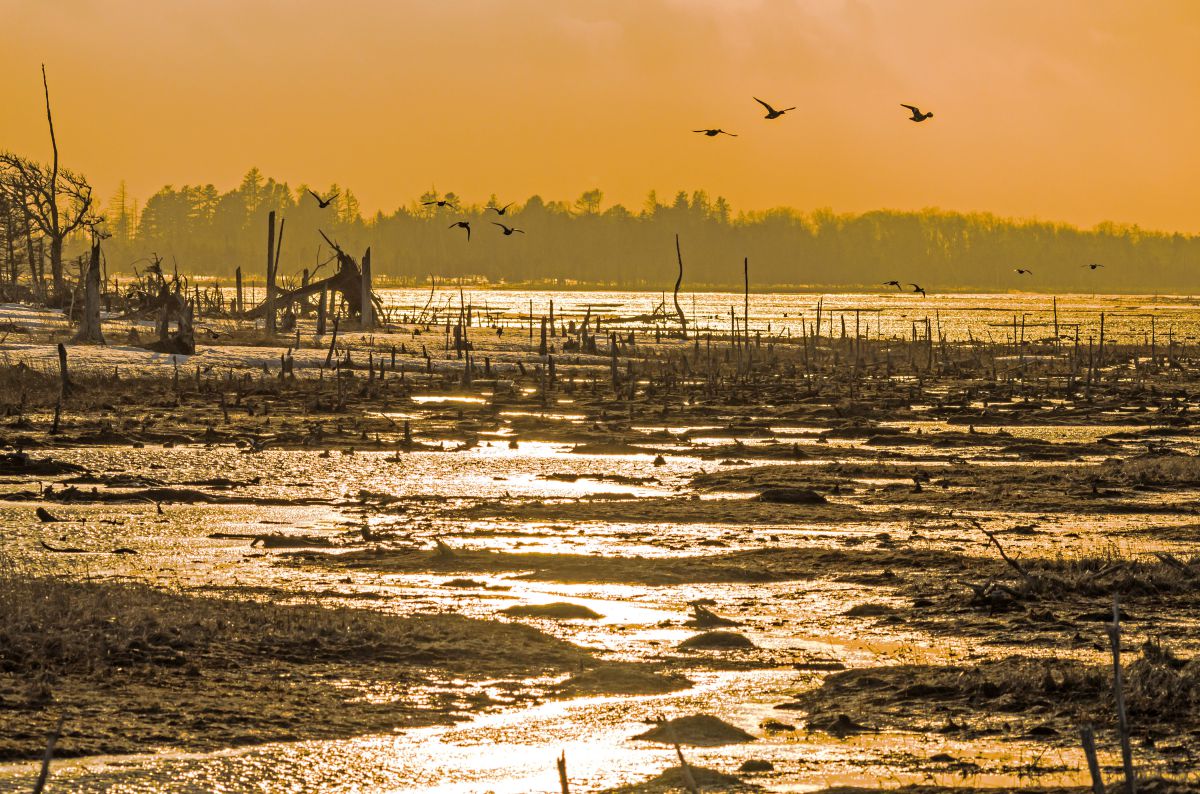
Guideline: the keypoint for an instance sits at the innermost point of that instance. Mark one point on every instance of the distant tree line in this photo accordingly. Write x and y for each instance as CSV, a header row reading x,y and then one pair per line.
x,y
202,230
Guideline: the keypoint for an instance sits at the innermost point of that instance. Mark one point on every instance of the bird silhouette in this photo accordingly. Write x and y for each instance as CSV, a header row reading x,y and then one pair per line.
x,y
716,132
441,203
499,210
917,115
465,225
917,288
772,113
895,284
322,203
1092,266
508,230
1020,271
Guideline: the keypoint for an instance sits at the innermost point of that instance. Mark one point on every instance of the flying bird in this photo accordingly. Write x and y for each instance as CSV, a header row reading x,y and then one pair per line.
x,y
499,210
441,203
917,288
1020,271
895,284
917,115
322,203
772,113
716,132
465,225
1092,266
508,230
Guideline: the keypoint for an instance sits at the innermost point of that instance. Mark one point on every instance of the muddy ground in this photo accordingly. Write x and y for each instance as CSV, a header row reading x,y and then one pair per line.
x,y
228,557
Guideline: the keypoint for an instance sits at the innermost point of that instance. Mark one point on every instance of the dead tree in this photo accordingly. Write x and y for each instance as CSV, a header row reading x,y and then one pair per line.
x,y
348,280
174,308
678,281
44,190
89,325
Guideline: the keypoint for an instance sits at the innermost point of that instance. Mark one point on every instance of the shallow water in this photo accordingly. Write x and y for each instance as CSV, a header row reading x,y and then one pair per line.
x,y
513,749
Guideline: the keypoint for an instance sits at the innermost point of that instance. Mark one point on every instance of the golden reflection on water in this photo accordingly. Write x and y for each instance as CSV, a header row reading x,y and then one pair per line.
x,y
513,749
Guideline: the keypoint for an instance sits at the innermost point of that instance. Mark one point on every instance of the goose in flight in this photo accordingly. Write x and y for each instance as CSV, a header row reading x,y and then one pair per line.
x,y
1020,271
917,115
716,132
895,284
917,288
499,210
441,203
772,113
464,225
322,203
508,230
1092,266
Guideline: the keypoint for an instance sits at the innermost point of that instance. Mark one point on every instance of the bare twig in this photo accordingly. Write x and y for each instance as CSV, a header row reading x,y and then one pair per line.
x,y
1088,737
48,756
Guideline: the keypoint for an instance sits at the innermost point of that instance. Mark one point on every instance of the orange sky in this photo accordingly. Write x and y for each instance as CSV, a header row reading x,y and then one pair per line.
x,y
1077,110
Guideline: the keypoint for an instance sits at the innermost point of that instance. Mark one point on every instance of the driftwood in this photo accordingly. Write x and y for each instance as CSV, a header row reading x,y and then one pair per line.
x,y
63,549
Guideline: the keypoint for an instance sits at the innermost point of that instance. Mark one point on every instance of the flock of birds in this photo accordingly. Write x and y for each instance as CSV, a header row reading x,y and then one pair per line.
x,y
917,115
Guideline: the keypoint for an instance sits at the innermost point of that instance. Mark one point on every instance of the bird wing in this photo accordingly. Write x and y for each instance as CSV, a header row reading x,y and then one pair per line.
x,y
730,134
427,203
451,226
764,104
501,225
493,209
916,110
314,195
506,206
704,132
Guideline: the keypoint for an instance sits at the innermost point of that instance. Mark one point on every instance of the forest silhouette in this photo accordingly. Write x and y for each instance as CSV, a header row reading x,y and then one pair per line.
x,y
203,231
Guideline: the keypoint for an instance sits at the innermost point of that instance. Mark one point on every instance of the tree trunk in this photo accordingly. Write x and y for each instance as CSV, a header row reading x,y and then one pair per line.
x,y
368,309
89,326
56,269
270,301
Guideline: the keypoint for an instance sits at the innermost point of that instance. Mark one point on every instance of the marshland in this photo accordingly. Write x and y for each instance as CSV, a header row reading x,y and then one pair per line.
x,y
404,489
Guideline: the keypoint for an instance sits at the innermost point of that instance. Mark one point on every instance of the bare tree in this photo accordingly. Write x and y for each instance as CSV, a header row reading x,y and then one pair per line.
x,y
58,201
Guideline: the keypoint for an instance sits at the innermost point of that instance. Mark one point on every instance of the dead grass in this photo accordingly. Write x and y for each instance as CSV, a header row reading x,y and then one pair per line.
x,y
136,668
1046,696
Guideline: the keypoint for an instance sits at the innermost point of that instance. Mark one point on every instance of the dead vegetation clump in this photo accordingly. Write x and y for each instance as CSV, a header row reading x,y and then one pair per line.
x,y
1040,696
1155,470
697,730
112,656
1103,575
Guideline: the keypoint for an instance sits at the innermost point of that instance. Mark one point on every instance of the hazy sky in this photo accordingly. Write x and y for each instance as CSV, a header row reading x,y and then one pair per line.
x,y
1078,110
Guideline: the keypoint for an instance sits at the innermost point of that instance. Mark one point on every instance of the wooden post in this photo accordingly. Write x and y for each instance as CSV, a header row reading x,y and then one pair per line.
x,y
1114,636
368,309
332,342
64,379
1054,305
240,304
270,299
